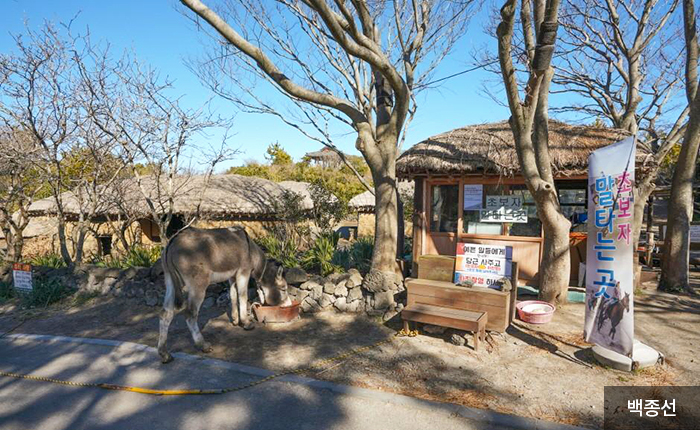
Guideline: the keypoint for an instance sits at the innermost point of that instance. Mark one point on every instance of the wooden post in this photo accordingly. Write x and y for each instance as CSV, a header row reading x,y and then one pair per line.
x,y
418,224
513,291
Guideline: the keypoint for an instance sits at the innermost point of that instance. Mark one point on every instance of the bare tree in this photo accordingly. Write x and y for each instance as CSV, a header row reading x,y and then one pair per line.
x,y
675,265
132,106
36,96
620,61
357,63
20,183
529,122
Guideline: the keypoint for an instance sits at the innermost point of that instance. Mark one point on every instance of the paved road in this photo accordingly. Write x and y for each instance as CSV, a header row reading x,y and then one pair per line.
x,y
287,403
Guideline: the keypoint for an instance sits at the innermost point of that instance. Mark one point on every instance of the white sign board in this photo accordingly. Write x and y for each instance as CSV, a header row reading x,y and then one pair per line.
x,y
695,233
482,265
508,202
610,254
473,195
503,215
22,276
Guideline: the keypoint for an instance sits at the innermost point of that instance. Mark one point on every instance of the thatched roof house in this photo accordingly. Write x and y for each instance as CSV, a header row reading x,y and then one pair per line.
x,y
223,197
364,202
490,149
325,157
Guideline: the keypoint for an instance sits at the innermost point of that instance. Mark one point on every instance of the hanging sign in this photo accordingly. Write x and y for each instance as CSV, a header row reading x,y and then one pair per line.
x,y
503,215
508,202
473,195
483,265
22,277
609,259
503,209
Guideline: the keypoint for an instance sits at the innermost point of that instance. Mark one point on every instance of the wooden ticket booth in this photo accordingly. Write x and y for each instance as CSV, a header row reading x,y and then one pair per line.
x,y
461,176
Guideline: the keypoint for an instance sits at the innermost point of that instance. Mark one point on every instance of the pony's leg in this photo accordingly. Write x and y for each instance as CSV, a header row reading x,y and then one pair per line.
x,y
233,296
242,280
166,317
194,302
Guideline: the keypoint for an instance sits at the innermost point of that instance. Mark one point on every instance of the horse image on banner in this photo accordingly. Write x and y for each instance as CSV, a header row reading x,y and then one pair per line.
x,y
610,252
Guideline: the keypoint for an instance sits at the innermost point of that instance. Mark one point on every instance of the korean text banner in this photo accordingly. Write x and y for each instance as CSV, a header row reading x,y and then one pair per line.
x,y
610,251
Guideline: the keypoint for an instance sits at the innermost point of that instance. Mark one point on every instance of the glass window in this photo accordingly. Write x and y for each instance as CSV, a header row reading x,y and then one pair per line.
x,y
573,200
533,226
471,223
444,208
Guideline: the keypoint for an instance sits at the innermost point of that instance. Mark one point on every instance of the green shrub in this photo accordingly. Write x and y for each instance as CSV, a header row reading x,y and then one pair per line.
x,y
361,254
109,261
320,256
141,256
6,292
45,291
138,256
281,250
341,258
50,259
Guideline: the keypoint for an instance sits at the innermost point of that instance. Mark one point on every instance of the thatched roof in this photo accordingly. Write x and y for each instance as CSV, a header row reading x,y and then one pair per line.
x,y
323,153
490,149
37,227
365,202
224,196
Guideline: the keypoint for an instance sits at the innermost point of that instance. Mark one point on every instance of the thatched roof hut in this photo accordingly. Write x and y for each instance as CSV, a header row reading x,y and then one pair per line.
x,y
325,157
224,196
490,149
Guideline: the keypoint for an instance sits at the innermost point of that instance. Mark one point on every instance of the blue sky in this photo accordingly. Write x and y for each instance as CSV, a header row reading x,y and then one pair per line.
x,y
158,34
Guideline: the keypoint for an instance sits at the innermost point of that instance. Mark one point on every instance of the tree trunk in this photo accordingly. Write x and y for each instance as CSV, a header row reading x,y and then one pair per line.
x,y
17,247
675,265
642,190
80,243
65,254
555,269
382,276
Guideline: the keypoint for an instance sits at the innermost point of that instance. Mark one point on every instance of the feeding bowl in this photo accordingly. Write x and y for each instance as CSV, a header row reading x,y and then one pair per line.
x,y
535,311
276,314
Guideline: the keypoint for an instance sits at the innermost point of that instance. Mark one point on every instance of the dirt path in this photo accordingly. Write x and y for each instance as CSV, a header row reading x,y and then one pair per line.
x,y
538,371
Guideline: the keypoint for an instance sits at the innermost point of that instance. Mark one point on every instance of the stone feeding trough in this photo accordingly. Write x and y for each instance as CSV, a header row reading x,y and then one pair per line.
x,y
276,314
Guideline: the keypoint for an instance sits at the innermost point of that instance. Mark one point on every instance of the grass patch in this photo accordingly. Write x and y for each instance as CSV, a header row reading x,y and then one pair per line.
x,y
84,297
6,292
45,292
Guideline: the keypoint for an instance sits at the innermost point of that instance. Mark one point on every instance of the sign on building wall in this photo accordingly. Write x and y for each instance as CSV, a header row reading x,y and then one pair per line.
x,y
503,215
609,259
482,265
473,195
694,233
22,277
508,202
503,209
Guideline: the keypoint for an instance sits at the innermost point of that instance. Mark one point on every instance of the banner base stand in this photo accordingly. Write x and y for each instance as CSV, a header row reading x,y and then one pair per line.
x,y
642,356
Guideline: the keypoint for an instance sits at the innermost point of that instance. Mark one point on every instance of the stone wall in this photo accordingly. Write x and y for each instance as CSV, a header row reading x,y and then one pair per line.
x,y
342,292
337,292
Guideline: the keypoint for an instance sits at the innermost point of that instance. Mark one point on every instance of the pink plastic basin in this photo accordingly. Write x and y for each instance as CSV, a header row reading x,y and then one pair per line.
x,y
535,311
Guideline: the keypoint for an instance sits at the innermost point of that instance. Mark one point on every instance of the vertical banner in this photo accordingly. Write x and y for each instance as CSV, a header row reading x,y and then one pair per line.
x,y
610,252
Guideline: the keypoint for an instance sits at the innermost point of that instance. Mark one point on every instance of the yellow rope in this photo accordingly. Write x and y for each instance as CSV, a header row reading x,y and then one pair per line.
x,y
206,391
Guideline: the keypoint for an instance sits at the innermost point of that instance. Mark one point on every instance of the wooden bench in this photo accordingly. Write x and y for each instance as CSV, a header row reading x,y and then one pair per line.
x,y
447,317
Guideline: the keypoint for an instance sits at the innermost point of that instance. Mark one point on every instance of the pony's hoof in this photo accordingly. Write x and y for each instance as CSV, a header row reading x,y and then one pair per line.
x,y
165,357
205,347
248,326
